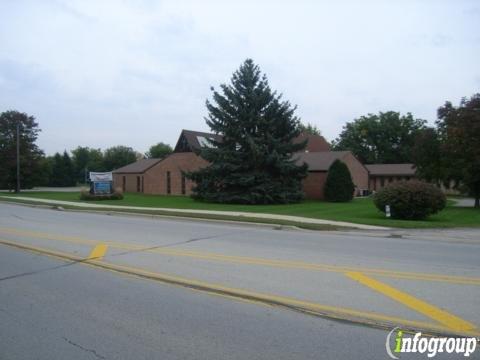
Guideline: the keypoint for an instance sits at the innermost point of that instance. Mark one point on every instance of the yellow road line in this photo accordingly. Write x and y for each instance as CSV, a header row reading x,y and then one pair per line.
x,y
451,321
317,267
98,252
42,235
251,260
356,316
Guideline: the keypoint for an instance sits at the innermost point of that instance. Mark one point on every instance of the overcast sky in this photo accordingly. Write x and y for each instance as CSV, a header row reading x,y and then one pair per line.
x,y
100,73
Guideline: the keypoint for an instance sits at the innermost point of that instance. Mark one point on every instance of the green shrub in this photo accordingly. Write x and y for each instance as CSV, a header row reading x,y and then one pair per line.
x,y
85,195
339,186
410,200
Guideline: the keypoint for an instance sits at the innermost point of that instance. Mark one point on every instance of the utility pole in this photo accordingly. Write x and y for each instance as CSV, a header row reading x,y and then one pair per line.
x,y
17,189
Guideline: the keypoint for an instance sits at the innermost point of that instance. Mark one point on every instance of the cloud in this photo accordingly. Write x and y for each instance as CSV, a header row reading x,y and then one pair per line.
x,y
101,73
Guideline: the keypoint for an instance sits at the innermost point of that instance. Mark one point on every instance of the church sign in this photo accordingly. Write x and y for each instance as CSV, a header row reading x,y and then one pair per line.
x,y
101,183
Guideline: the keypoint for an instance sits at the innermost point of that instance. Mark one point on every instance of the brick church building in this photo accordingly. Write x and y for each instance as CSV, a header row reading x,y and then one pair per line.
x,y
165,176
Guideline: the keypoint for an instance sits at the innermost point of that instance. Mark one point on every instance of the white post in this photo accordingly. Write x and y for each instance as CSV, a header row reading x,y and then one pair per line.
x,y
17,188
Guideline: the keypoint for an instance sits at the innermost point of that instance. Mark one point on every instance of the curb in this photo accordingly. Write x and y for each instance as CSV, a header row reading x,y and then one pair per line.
x,y
306,222
174,216
186,218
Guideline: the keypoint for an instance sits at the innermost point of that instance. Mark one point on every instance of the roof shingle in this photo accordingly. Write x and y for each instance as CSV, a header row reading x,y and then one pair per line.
x,y
137,167
391,169
319,161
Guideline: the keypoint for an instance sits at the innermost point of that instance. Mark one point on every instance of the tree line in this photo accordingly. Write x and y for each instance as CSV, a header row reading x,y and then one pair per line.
x,y
253,162
61,169
447,153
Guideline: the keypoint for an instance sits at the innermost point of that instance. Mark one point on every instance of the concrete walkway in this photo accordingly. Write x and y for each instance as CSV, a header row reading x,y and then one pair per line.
x,y
50,189
464,202
239,214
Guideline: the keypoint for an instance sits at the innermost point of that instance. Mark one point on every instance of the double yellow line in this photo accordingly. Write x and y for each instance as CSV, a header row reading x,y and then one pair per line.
x,y
249,260
448,320
332,312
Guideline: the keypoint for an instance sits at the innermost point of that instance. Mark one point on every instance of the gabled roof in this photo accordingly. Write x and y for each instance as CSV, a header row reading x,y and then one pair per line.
x,y
137,167
391,169
319,161
315,143
189,140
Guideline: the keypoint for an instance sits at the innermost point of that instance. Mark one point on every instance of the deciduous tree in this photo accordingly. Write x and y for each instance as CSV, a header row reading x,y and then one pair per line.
x,y
159,151
118,156
85,160
31,169
386,138
451,151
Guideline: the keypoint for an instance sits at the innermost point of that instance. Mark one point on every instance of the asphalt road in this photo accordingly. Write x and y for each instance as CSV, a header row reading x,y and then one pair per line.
x,y
55,308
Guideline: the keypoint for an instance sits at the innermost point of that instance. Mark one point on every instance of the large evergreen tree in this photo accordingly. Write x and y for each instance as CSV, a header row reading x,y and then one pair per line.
x,y
253,163
310,129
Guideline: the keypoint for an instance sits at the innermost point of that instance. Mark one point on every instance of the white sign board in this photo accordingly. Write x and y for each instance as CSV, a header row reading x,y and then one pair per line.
x,y
100,176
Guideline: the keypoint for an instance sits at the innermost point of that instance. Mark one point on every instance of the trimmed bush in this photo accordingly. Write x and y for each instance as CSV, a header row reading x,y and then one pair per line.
x,y
339,186
117,195
410,200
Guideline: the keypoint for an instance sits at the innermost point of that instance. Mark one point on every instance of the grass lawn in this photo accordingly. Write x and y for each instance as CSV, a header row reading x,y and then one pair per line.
x,y
361,211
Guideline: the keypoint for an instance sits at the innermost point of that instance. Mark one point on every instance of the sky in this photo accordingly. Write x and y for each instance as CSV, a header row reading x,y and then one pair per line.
x,y
101,73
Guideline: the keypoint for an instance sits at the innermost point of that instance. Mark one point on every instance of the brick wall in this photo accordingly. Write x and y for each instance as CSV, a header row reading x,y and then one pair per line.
x,y
314,184
156,178
130,182
358,171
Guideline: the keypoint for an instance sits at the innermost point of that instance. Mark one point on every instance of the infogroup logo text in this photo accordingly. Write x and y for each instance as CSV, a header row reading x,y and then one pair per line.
x,y
430,346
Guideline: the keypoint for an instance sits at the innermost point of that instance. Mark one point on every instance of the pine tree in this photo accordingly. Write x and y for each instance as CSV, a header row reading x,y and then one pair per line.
x,y
58,170
63,173
252,164
339,186
69,176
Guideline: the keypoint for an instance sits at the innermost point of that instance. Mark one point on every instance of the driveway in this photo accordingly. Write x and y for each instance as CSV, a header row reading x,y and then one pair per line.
x,y
464,202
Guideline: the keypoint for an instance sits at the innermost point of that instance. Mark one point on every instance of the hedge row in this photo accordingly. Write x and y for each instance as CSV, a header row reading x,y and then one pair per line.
x,y
86,195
